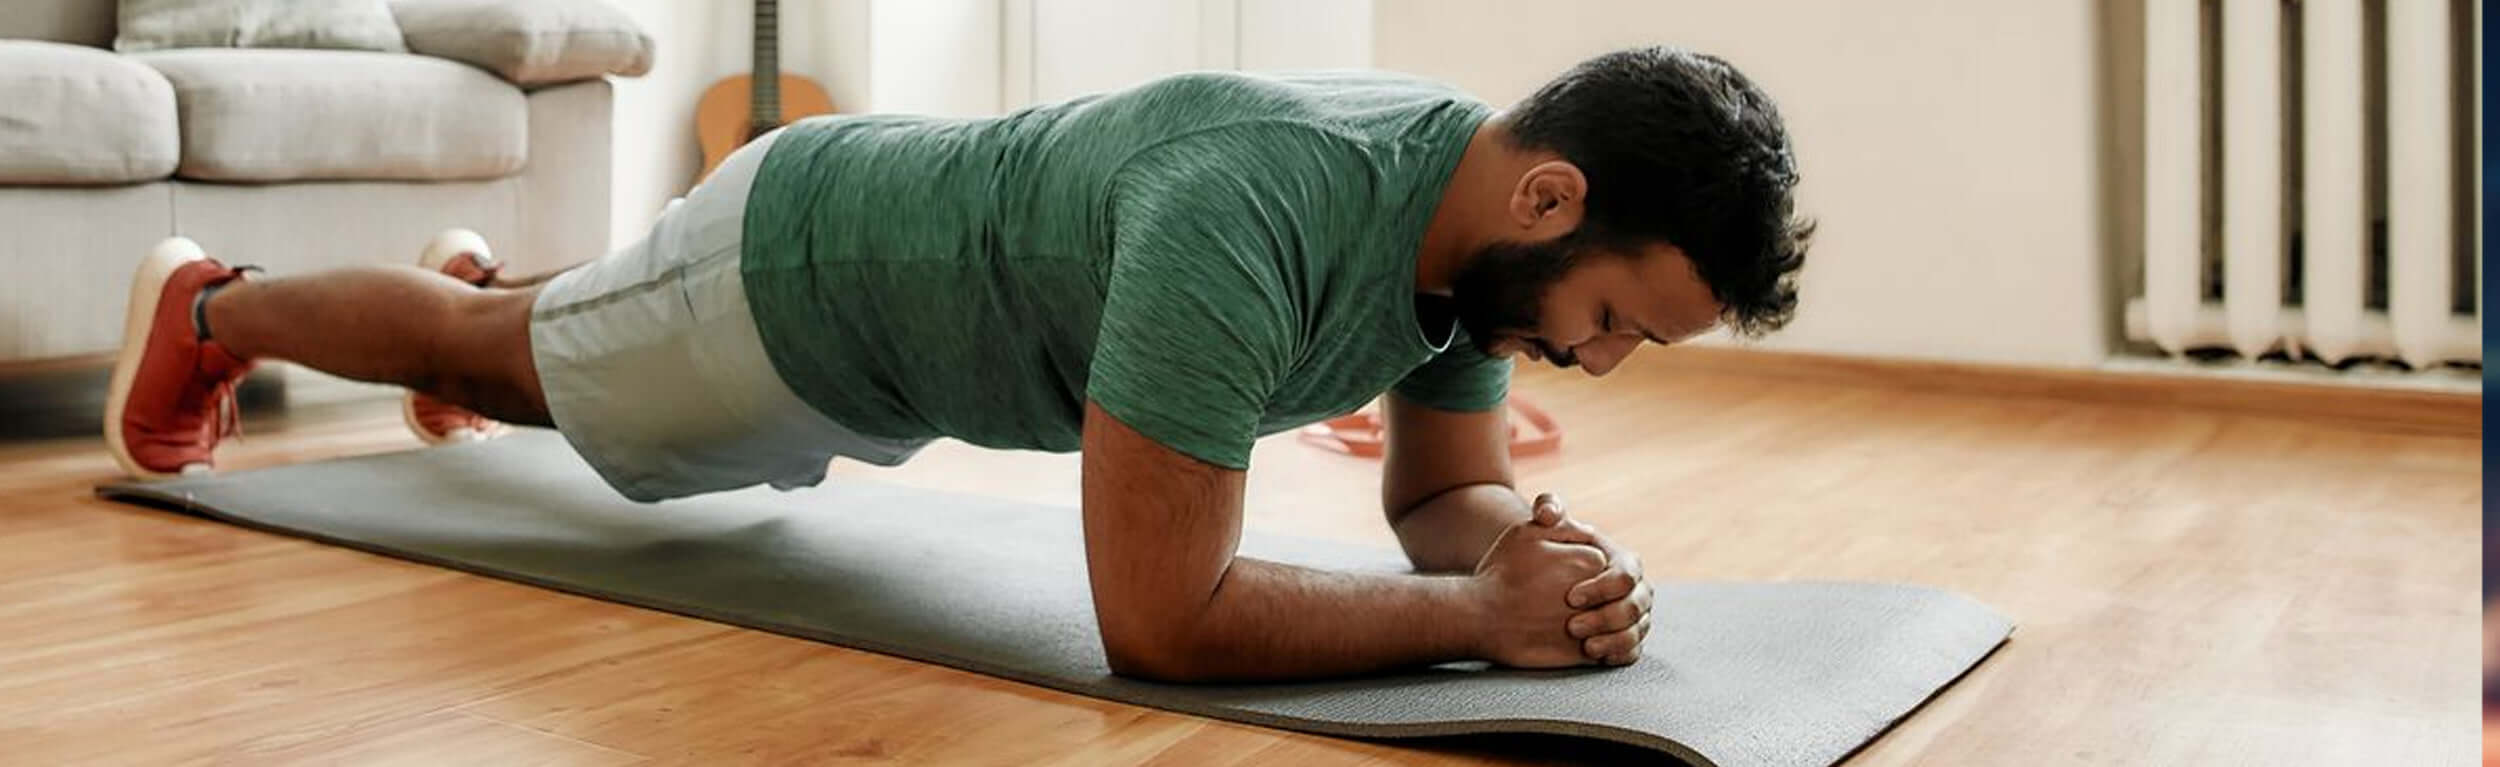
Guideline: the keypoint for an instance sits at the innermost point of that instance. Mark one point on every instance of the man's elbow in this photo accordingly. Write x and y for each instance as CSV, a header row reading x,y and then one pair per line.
x,y
1172,655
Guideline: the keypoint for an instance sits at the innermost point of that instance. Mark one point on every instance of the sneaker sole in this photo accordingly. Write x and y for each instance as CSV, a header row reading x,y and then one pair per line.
x,y
433,257
138,322
408,415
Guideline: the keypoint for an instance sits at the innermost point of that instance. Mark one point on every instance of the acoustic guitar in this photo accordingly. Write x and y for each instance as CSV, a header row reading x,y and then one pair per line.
x,y
739,108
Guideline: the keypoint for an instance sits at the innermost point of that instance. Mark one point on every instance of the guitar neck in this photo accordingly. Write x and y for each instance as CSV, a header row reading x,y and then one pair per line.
x,y
764,97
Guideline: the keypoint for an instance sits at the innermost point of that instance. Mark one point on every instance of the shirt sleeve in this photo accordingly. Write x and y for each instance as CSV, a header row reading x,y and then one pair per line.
x,y
1460,378
1198,327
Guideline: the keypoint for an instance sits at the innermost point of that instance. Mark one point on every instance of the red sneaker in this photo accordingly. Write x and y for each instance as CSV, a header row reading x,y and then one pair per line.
x,y
463,255
173,392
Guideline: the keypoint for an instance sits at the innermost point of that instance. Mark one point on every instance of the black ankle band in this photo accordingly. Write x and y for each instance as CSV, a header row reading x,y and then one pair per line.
x,y
199,303
199,310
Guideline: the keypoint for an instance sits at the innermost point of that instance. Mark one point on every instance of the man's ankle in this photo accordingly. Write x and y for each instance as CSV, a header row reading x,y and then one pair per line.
x,y
199,311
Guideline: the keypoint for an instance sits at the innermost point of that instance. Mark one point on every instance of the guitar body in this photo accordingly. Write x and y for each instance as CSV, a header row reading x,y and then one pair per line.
x,y
724,117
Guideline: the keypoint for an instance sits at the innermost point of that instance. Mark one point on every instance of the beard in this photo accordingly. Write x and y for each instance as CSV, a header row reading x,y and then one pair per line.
x,y
1502,292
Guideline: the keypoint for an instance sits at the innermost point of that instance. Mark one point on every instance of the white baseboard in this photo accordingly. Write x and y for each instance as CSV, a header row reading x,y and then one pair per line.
x,y
2368,376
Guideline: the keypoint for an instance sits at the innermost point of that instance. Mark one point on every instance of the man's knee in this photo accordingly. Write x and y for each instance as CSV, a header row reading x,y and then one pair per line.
x,y
482,358
488,330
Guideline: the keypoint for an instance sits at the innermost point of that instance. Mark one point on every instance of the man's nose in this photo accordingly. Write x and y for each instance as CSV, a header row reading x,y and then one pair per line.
x,y
1601,357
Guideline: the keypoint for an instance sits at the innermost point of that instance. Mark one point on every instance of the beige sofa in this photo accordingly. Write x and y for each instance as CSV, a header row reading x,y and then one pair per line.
x,y
290,159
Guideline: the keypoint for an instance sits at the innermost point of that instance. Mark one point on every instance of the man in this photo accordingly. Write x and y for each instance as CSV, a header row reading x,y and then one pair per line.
x,y
1155,277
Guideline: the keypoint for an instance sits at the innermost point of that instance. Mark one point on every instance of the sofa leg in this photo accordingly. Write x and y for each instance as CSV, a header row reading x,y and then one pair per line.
x,y
262,391
64,398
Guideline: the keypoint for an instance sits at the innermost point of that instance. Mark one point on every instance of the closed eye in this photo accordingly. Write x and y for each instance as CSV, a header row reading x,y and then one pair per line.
x,y
1606,325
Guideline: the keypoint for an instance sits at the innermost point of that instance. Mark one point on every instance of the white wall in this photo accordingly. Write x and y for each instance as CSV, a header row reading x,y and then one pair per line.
x,y
946,57
1083,46
698,43
934,57
1949,147
1305,34
1058,49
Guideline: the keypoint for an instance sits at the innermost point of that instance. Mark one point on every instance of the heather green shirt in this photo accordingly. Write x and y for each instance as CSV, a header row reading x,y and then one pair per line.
x,y
1211,257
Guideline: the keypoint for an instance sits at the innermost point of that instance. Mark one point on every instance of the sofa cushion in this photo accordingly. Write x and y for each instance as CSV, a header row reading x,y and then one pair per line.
x,y
77,115
534,43
149,25
286,115
85,22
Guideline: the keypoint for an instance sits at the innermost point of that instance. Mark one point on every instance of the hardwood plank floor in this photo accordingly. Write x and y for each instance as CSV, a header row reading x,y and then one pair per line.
x,y
2193,587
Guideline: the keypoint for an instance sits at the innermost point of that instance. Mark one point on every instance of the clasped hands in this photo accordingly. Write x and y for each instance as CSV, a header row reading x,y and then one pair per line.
x,y
1556,593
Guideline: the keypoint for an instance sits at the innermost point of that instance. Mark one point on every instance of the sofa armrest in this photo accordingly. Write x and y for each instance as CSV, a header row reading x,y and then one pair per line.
x,y
529,43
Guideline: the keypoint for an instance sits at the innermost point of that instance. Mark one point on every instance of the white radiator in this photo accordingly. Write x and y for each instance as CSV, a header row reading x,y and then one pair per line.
x,y
2308,167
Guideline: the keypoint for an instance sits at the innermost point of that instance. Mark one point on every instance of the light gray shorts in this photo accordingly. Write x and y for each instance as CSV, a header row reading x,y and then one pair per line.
x,y
653,369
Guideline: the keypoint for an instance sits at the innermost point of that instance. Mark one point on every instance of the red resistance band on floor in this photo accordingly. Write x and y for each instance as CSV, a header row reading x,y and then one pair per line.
x,y
1360,434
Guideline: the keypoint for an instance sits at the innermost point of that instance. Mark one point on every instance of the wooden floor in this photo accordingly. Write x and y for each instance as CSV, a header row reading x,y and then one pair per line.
x,y
2193,587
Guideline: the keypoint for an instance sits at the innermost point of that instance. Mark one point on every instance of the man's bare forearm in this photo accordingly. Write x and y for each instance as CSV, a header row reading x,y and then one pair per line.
x,y
1447,533
1268,621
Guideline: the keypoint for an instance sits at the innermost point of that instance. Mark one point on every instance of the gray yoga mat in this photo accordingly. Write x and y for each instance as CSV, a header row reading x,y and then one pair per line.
x,y
1734,673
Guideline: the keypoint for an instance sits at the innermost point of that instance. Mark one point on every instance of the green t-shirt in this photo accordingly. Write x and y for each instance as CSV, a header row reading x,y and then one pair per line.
x,y
1211,257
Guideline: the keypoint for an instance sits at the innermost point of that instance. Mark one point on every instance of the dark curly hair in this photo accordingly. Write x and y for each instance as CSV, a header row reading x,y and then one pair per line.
x,y
1679,147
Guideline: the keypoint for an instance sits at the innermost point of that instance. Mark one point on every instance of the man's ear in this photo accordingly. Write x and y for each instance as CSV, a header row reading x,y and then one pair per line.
x,y
1549,200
